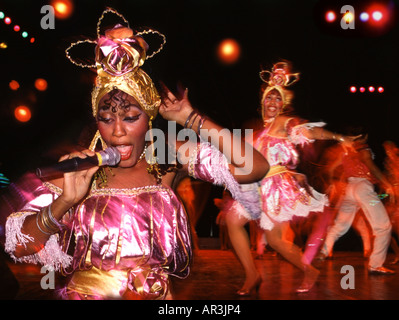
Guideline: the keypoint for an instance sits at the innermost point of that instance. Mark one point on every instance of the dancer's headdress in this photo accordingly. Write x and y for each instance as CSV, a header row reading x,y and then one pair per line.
x,y
119,54
279,78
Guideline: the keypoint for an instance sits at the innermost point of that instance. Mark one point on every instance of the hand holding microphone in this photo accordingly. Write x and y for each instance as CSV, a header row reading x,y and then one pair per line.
x,y
107,157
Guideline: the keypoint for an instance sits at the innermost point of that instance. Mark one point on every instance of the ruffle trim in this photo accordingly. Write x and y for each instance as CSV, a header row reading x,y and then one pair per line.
x,y
297,135
247,194
51,256
317,203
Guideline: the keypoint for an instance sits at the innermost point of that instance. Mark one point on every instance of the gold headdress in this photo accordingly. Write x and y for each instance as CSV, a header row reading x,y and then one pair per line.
x,y
119,54
279,78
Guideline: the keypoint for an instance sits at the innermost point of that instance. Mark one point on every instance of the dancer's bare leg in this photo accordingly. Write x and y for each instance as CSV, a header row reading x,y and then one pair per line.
x,y
293,254
240,241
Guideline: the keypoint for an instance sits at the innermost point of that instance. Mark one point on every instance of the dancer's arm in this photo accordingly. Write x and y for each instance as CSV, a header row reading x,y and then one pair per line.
x,y
367,159
245,163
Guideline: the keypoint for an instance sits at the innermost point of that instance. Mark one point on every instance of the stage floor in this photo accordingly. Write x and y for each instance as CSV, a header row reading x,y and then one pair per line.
x,y
217,275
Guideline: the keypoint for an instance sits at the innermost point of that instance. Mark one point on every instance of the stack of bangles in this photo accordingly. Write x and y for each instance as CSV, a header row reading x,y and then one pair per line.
x,y
194,115
47,220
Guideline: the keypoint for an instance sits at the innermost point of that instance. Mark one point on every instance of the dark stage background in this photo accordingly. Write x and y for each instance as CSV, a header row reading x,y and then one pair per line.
x,y
329,59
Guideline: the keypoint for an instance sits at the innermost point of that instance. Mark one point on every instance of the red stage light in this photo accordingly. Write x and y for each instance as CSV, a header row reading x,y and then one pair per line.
x,y
17,28
371,89
377,15
380,89
228,51
62,8
7,20
22,114
330,16
14,85
32,40
353,89
41,84
362,89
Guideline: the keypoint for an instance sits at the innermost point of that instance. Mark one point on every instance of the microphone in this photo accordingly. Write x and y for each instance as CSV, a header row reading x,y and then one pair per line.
x,y
107,157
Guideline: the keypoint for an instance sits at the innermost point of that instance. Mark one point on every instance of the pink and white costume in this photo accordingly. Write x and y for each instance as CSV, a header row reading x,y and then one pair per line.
x,y
282,196
125,239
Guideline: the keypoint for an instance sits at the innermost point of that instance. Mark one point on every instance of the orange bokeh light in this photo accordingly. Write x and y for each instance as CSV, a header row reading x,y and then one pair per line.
x,y
22,113
62,8
14,85
41,84
229,51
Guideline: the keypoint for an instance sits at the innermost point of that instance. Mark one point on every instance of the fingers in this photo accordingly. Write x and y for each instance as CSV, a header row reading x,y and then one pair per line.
x,y
80,154
185,94
168,96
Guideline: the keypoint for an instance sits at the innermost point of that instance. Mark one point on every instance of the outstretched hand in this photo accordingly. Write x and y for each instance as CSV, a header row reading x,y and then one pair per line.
x,y
174,109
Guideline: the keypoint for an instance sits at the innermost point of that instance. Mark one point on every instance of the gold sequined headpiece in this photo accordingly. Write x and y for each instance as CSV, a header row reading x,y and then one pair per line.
x,y
279,78
119,54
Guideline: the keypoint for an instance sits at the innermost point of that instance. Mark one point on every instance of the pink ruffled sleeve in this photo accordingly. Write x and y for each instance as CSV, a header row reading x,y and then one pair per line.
x,y
207,163
51,255
297,128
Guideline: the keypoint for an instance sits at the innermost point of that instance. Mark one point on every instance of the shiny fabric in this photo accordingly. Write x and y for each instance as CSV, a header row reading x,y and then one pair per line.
x,y
124,241
119,52
285,193
141,233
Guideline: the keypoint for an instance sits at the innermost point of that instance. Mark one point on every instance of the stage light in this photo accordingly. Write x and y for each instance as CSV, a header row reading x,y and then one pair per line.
x,y
377,15
353,89
62,8
22,113
41,84
3,45
228,51
362,89
2,15
17,28
380,15
32,40
364,16
380,89
14,85
7,20
24,34
371,89
330,16
349,17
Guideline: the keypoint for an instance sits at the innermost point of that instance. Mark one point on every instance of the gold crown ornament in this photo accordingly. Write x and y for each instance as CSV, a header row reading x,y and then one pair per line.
x,y
119,54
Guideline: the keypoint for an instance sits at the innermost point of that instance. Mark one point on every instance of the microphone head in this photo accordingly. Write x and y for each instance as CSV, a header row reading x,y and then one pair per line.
x,y
110,156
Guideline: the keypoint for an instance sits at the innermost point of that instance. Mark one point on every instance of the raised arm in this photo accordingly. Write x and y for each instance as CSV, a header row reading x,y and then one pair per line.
x,y
246,164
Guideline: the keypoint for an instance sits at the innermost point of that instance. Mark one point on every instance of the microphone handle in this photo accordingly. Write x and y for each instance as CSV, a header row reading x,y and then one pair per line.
x,y
74,164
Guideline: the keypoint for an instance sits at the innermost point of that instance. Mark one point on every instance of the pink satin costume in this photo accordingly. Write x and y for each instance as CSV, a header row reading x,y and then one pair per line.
x,y
125,239
282,196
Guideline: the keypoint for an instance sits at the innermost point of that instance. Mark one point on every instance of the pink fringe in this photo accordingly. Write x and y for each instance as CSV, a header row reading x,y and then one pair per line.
x,y
297,135
51,256
217,171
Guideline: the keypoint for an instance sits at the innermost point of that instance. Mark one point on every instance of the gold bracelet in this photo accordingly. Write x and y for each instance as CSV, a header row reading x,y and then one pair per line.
x,y
38,226
46,221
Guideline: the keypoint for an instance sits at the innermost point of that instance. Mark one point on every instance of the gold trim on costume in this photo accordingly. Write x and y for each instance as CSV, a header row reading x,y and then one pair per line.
x,y
276,170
